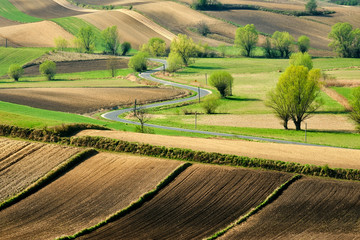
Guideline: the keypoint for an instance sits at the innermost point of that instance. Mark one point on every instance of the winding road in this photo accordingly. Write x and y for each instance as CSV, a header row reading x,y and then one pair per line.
x,y
114,115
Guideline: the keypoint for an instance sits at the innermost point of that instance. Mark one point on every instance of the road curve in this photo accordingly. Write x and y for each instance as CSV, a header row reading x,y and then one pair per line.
x,y
114,115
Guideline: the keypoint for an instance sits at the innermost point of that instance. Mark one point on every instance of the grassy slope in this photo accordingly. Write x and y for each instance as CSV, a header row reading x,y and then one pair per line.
x,y
19,56
9,11
345,91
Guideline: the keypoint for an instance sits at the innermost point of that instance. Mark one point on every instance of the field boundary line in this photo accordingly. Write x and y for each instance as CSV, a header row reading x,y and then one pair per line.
x,y
272,197
134,205
51,176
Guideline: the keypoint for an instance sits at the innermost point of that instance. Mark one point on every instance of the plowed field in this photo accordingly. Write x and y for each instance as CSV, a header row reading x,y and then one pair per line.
x,y
308,209
200,201
86,100
22,163
83,197
5,22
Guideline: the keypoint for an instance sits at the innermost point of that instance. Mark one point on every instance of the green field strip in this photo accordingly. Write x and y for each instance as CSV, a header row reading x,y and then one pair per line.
x,y
49,177
344,91
9,11
272,197
135,205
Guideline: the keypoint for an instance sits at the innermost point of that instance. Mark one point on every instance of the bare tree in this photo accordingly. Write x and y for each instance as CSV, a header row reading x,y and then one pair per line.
x,y
142,116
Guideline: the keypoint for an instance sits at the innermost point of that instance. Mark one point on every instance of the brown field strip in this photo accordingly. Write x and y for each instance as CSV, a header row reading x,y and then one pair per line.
x,y
6,22
86,195
200,201
22,163
308,209
86,100
334,157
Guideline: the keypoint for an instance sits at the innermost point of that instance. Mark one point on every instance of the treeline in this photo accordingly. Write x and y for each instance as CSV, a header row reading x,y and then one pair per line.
x,y
346,2
50,135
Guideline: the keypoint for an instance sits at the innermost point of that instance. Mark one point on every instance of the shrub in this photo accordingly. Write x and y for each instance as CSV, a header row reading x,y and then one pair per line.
x,y
222,81
174,62
48,69
210,104
61,43
202,28
303,43
355,104
138,62
125,48
15,71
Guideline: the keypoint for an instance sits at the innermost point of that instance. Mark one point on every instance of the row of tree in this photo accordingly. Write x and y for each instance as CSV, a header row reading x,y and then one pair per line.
x,y
47,69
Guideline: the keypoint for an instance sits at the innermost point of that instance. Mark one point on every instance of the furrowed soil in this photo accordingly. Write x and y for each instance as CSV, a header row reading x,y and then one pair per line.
x,y
87,100
22,163
308,209
200,201
83,197
334,157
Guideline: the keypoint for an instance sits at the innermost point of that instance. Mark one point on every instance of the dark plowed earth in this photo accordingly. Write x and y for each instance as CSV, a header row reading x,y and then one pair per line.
x,y
201,201
83,197
308,209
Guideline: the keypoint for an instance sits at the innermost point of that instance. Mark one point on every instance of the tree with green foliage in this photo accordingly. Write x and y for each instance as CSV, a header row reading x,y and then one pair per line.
x,y
174,62
125,48
303,43
112,65
222,49
184,47
48,69
61,43
223,82
268,49
246,38
355,105
210,104
138,62
111,40
356,43
311,6
295,94
301,59
86,39
155,47
342,35
282,43
15,71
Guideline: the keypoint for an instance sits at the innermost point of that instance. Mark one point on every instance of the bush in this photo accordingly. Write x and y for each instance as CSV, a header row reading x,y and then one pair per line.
x,y
210,104
48,69
15,71
125,48
174,62
202,28
61,43
138,62
222,81
355,104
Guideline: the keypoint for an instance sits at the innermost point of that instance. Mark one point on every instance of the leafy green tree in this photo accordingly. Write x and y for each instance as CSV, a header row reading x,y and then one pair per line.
x,y
174,62
48,69
301,59
125,48
222,49
111,40
342,36
222,81
210,104
282,42
86,39
355,105
61,43
295,94
268,49
303,43
15,71
138,62
112,66
246,38
356,43
311,6
155,47
184,47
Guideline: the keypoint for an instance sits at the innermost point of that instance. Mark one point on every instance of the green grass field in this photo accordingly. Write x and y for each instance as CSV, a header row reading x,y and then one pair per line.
x,y
345,91
9,11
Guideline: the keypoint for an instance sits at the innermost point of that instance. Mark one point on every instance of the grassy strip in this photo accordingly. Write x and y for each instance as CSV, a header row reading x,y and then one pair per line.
x,y
272,197
133,206
9,11
92,6
49,177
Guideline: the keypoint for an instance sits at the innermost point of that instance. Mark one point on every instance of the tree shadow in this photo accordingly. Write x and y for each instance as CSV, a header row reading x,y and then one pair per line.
x,y
241,99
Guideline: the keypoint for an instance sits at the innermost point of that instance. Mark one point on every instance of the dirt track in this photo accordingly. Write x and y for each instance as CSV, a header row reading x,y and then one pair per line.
x,y
308,209
343,158
200,201
83,197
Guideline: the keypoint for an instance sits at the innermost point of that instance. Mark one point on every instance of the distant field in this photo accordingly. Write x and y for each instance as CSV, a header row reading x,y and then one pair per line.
x,y
344,91
9,11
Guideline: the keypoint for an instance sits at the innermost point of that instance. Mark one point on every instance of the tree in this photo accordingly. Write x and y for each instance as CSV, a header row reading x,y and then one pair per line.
x,y
112,65
48,69
301,59
138,62
342,36
355,105
311,6
268,49
86,38
143,116
155,47
61,43
356,43
174,62
282,42
202,28
184,47
303,43
125,48
246,38
210,104
223,82
15,71
295,94
222,49
111,40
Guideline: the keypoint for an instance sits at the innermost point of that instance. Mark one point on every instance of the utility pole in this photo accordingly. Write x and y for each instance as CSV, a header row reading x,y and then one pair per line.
x,y
135,107
305,131
5,42
199,93
195,119
206,78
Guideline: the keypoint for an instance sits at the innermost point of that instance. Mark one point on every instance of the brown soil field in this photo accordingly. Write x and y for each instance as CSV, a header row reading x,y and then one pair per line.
x,y
334,157
199,202
136,30
86,100
5,22
77,66
22,163
308,209
44,9
83,197
38,34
